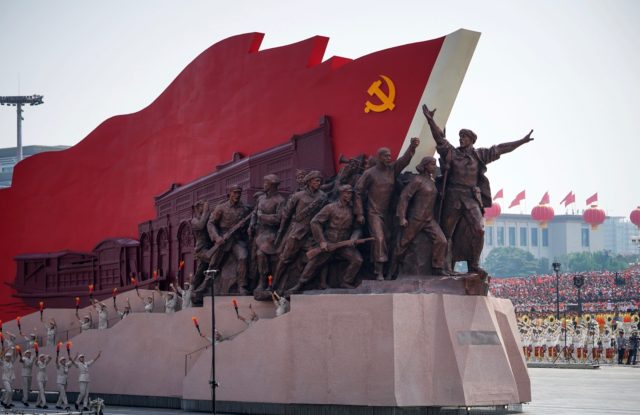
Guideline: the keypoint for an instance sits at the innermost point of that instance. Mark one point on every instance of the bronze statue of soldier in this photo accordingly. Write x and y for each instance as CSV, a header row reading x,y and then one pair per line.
x,y
203,243
222,227
335,223
416,213
301,207
466,188
264,224
376,186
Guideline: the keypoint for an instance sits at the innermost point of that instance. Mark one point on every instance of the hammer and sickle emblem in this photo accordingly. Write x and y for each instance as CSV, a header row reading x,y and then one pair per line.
x,y
386,100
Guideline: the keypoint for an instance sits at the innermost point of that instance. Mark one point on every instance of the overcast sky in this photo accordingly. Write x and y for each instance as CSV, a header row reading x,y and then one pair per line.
x,y
567,69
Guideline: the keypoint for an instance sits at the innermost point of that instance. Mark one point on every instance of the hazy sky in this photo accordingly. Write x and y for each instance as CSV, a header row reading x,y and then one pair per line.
x,y
568,69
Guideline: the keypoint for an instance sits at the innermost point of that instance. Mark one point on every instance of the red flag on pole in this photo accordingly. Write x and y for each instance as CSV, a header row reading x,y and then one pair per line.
x,y
592,199
566,198
571,198
519,197
499,195
545,199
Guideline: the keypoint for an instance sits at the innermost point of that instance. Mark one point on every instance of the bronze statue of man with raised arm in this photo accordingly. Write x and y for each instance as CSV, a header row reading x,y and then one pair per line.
x,y
466,188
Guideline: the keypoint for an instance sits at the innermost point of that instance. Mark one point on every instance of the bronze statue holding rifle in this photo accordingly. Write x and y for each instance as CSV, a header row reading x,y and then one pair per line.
x,y
335,224
224,224
466,191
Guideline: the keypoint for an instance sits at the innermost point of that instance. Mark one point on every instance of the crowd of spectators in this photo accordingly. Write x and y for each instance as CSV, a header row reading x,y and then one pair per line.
x,y
603,291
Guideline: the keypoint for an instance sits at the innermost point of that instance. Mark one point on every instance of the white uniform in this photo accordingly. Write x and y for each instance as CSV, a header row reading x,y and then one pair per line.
x,y
8,376
148,307
170,304
83,382
185,297
51,335
41,377
61,382
27,374
103,318
85,325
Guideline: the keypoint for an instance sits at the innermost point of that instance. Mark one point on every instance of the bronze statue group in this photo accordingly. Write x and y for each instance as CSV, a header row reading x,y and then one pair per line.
x,y
315,238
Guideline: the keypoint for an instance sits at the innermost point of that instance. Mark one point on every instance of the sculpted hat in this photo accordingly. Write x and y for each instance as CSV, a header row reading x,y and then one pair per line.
x,y
345,188
272,178
234,188
313,174
469,133
423,163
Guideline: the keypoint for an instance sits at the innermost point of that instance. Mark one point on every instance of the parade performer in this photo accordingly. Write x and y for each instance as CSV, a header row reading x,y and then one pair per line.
x,y
62,365
170,301
86,322
103,314
8,376
51,328
83,380
27,361
148,302
184,293
41,378
127,309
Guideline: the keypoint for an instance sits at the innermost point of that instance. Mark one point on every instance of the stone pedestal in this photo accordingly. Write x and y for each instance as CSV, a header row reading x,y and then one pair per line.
x,y
376,350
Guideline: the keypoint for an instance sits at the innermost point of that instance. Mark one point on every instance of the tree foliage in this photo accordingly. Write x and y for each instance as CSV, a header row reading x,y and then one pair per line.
x,y
513,262
593,261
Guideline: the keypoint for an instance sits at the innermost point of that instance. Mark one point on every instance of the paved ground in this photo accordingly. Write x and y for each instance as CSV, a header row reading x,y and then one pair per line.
x,y
609,390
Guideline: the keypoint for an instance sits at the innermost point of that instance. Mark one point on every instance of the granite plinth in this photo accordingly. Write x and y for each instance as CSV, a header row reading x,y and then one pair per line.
x,y
463,284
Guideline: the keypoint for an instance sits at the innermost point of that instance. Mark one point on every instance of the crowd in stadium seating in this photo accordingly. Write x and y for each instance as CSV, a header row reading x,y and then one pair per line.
x,y
602,291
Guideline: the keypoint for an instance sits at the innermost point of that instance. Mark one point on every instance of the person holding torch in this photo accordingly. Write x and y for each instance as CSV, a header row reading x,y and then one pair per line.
x,y
8,376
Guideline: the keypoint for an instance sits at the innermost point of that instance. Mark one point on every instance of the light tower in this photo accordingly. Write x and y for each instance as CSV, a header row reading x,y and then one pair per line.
x,y
19,101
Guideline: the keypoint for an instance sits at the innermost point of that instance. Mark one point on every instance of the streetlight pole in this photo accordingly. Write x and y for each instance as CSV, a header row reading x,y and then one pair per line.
x,y
213,273
19,101
556,268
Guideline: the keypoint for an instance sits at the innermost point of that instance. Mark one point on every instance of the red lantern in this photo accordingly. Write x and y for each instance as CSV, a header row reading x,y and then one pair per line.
x,y
542,214
492,212
594,216
635,217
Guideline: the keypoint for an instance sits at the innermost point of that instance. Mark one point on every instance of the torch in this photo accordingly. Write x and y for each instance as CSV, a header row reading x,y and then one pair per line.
x,y
19,350
270,279
2,339
41,309
19,325
235,305
180,268
69,345
155,278
114,293
36,347
90,291
58,346
77,305
0,326
195,323
135,284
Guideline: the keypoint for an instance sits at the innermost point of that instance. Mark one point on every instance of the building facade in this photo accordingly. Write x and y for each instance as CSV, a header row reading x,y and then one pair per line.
x,y
565,234
9,158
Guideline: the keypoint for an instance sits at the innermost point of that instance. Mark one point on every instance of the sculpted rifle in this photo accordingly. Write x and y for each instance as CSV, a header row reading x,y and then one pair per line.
x,y
312,253
209,254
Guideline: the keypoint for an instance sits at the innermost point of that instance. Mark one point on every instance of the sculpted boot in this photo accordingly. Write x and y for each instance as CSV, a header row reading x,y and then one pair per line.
x,y
379,271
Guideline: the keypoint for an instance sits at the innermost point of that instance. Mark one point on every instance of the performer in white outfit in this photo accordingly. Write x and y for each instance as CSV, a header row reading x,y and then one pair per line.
x,y
103,314
27,373
86,322
10,342
8,376
51,328
125,312
62,365
83,380
170,301
41,377
185,294
148,302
